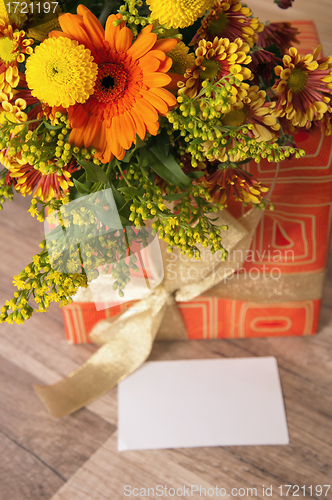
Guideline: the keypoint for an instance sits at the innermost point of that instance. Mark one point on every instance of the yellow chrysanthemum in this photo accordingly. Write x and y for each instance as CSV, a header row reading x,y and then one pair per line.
x,y
255,110
181,59
3,12
13,47
61,72
229,19
178,13
215,60
325,123
16,12
43,185
12,112
304,88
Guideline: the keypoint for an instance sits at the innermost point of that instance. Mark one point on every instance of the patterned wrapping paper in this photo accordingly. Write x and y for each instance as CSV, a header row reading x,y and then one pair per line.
x,y
291,243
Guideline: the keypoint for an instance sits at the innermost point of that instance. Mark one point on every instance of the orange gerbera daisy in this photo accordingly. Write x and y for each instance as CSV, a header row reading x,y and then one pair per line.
x,y
128,95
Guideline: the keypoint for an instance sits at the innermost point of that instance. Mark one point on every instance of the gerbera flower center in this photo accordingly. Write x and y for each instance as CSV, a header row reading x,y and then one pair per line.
x,y
108,82
6,50
211,70
112,82
217,26
235,118
297,80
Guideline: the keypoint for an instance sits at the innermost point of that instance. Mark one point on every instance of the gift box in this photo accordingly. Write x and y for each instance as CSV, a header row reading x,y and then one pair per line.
x,y
277,290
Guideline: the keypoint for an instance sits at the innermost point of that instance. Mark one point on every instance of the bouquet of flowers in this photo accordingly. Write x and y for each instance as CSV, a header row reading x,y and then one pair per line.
x,y
160,103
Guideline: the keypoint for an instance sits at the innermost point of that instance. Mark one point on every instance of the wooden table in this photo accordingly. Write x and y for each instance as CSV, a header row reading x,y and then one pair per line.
x,y
76,458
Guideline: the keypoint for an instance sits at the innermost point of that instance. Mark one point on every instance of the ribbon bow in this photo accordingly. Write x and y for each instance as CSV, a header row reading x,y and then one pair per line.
x,y
126,340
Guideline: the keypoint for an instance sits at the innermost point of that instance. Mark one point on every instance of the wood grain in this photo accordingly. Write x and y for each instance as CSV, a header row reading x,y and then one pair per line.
x,y
29,436
76,458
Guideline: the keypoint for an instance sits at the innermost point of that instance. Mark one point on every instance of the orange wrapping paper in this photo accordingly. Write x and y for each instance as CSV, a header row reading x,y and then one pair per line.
x,y
291,243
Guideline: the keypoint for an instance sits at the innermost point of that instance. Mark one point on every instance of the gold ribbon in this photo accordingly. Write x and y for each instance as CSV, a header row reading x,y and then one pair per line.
x,y
126,340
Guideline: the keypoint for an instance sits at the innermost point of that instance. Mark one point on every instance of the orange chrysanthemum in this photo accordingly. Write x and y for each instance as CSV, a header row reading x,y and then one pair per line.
x,y
229,19
128,94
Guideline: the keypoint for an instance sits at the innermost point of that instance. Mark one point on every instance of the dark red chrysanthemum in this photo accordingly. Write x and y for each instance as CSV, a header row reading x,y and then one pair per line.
x,y
284,4
29,181
230,180
283,35
262,64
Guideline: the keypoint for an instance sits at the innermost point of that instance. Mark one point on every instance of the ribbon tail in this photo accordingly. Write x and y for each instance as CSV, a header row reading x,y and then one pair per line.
x,y
126,350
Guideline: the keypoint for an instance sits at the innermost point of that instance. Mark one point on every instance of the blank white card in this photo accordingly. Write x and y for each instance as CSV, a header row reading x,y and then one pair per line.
x,y
214,402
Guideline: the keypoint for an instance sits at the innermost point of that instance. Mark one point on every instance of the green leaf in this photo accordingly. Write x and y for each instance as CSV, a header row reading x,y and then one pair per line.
x,y
52,127
81,188
125,222
163,142
94,173
196,175
173,197
56,233
199,140
167,168
139,143
119,199
127,156
129,190
243,162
